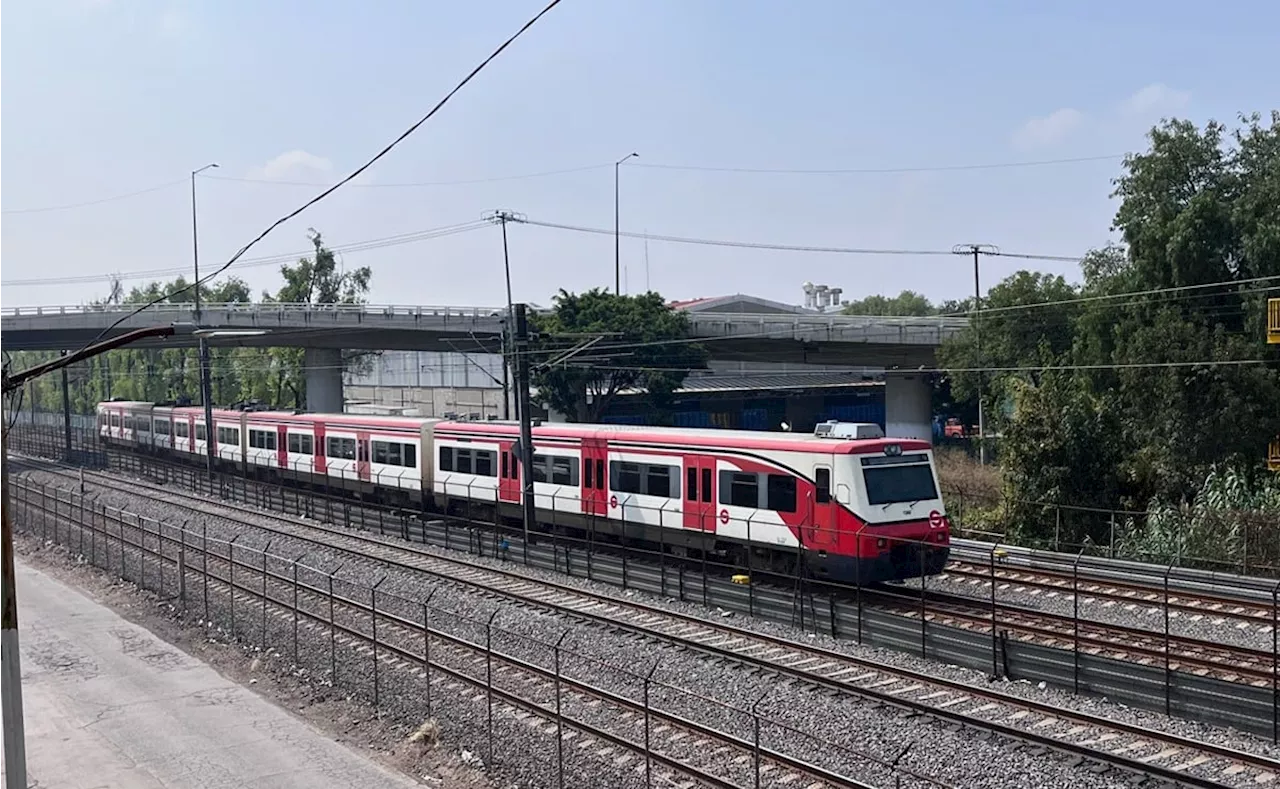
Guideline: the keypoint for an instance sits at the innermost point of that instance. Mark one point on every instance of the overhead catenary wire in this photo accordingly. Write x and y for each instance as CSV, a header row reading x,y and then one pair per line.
x,y
354,173
100,201
269,260
876,170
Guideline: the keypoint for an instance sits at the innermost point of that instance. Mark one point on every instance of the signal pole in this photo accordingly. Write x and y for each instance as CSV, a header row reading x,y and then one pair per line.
x,y
502,216
977,250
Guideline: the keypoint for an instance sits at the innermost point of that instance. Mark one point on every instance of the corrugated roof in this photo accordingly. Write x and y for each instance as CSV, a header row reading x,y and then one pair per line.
x,y
768,382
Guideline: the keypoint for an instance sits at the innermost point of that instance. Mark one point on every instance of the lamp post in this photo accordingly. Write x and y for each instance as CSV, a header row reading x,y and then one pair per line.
x,y
617,232
977,250
206,389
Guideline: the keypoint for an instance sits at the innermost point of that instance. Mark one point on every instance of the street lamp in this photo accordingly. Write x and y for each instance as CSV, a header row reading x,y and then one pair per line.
x,y
617,232
206,389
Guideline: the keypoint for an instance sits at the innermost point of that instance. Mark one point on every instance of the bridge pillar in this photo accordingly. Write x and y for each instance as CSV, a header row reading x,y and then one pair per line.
x,y
324,380
908,405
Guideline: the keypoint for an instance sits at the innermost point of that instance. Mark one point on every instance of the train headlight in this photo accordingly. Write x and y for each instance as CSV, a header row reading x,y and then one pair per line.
x,y
893,450
881,542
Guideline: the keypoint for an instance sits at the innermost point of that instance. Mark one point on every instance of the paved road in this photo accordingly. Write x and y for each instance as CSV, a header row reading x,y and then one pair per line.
x,y
109,705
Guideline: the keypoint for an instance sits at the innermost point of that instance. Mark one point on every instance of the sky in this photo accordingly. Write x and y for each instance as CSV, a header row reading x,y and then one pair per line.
x,y
105,98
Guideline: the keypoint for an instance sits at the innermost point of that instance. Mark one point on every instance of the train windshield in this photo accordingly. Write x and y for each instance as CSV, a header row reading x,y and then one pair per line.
x,y
902,482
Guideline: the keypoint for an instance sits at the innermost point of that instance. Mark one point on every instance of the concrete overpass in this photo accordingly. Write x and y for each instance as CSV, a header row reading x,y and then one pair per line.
x,y
736,328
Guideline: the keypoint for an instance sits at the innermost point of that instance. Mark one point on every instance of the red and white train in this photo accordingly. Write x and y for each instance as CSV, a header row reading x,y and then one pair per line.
x,y
860,507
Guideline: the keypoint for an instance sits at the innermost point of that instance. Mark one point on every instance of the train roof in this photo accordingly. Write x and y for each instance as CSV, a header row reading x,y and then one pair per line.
x,y
736,439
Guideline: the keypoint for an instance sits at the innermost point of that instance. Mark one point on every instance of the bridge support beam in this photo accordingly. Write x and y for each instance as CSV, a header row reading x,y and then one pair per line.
x,y
324,380
908,405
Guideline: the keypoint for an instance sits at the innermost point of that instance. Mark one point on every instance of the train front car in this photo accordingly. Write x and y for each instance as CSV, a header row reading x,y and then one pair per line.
x,y
894,525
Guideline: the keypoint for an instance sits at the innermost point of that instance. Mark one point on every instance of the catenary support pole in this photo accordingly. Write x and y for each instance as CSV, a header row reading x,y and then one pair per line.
x,y
15,743
526,422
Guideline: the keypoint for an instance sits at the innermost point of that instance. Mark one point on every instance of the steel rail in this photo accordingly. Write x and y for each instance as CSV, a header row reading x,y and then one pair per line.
x,y
611,619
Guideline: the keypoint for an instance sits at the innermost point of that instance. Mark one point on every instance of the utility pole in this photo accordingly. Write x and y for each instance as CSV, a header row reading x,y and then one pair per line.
x,y
617,229
977,250
502,216
526,423
15,744
206,388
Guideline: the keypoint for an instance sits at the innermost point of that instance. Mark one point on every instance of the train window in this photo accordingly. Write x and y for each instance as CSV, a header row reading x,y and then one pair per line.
x,y
893,484
387,452
506,465
115,420
340,448
484,463
658,481
181,430
299,444
739,489
462,461
410,456
564,471
446,458
539,468
706,486
200,433
162,427
229,436
600,474
822,478
691,485
781,491
128,422
588,480
625,477
143,424
650,479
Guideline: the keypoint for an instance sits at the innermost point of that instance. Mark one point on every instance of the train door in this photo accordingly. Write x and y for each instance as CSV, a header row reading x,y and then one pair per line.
x,y
282,445
362,456
508,472
595,495
821,510
191,433
321,460
700,492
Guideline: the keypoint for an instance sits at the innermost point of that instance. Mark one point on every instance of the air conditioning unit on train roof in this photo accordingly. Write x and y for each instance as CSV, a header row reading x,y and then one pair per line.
x,y
834,428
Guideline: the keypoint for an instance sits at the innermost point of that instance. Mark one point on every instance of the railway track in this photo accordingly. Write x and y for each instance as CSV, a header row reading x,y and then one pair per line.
x,y
553,699
1137,750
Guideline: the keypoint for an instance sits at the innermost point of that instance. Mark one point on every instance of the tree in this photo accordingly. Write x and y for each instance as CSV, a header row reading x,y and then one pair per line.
x,y
908,303
643,345
317,280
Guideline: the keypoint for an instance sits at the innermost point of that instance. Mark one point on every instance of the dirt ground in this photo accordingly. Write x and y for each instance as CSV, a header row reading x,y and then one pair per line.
x,y
351,722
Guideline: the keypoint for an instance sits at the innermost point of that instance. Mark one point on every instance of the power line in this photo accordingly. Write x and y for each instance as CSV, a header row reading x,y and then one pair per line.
x,y
878,170
356,246
737,244
1030,368
355,173
44,209
1127,295
408,184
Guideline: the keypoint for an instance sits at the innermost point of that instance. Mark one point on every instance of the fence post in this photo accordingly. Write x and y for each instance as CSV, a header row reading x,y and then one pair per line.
x,y
295,608
142,551
1168,702
265,551
231,580
488,680
333,637
1112,541
559,718
1075,623
755,729
426,642
648,760
204,568
182,566
995,639
1275,665
924,630
373,609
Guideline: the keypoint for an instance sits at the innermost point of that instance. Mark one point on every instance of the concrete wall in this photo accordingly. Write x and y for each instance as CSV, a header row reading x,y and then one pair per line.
x,y
908,406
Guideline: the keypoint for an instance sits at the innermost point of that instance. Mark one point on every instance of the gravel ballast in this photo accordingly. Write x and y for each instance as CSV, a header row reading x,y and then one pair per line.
x,y
684,682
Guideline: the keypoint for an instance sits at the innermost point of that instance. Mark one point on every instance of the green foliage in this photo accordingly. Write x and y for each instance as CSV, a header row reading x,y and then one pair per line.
x,y
1138,383
908,303
1231,519
643,345
270,375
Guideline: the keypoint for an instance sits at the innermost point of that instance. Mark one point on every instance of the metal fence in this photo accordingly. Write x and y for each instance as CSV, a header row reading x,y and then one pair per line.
x,y
363,639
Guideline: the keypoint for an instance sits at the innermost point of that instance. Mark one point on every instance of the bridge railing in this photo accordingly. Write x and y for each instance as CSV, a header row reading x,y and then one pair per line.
x,y
815,319
407,310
